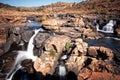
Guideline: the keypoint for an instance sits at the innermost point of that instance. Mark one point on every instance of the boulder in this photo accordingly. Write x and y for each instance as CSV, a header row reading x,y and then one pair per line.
x,y
92,51
26,35
41,38
56,42
81,47
43,66
101,52
101,66
76,63
28,66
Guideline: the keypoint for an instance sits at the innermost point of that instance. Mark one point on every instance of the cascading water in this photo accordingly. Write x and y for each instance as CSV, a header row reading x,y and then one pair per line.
x,y
22,55
62,71
108,28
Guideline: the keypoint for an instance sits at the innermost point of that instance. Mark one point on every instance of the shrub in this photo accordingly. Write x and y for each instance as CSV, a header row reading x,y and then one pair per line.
x,y
52,52
67,46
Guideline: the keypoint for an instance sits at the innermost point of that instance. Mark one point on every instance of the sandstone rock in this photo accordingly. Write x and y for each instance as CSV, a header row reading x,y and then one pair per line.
x,y
81,47
56,42
43,67
118,32
108,52
75,63
79,22
103,76
75,22
69,31
45,64
26,35
101,66
41,38
53,24
92,52
84,73
48,60
101,52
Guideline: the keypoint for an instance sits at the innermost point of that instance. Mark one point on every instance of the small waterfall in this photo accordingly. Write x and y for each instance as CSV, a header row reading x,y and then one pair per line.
x,y
108,28
22,55
62,71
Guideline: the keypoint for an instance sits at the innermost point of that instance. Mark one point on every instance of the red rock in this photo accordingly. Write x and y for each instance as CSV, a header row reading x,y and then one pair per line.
x,y
103,76
92,52
118,31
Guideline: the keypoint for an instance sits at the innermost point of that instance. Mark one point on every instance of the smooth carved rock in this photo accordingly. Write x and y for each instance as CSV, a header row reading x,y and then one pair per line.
x,y
92,51
42,67
56,42
49,58
101,52
41,38
26,35
101,66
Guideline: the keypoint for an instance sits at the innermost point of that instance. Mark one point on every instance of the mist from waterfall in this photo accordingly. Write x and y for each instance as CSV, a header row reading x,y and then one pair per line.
x,y
22,55
108,28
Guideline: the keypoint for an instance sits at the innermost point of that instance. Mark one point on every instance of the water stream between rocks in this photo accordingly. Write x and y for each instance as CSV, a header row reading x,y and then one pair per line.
x,y
109,42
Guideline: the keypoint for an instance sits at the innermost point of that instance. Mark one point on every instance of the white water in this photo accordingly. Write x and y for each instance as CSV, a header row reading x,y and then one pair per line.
x,y
22,55
64,57
118,39
108,28
62,72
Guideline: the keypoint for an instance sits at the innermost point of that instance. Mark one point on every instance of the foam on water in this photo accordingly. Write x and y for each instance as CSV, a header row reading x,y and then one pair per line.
x,y
108,28
22,55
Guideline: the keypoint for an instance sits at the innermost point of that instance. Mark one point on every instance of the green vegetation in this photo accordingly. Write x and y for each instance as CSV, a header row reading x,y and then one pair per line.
x,y
67,46
52,52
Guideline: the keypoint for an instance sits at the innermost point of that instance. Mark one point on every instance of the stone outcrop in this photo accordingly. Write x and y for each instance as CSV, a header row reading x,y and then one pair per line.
x,y
41,38
48,60
101,52
53,24
56,42
78,56
117,30
81,47
98,76
67,39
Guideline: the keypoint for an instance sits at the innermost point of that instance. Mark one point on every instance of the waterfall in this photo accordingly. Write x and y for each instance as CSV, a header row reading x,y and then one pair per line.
x,y
22,55
62,71
108,28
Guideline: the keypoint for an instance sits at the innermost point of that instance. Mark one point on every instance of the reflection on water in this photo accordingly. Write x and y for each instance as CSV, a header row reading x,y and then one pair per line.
x,y
32,25
108,42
